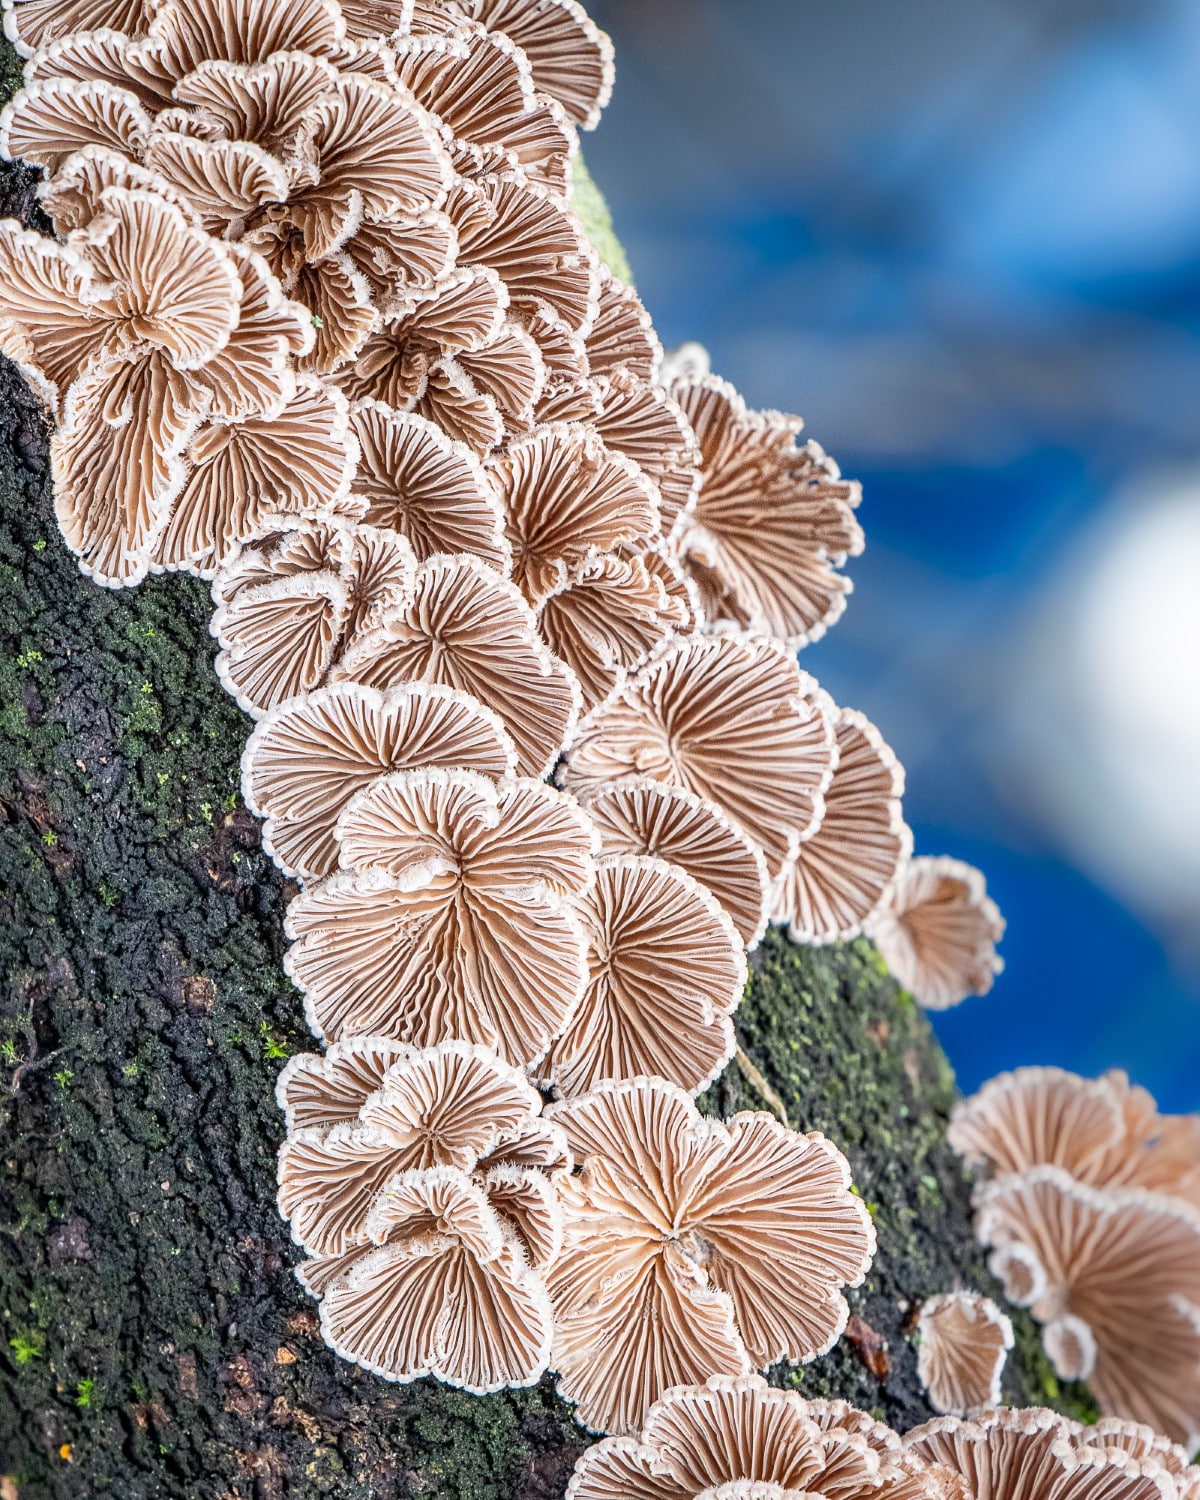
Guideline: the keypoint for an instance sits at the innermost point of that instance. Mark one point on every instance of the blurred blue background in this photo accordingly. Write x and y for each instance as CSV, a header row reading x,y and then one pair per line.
x,y
963,240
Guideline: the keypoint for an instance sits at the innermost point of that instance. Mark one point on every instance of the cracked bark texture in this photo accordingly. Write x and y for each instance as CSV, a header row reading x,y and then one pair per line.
x,y
153,1342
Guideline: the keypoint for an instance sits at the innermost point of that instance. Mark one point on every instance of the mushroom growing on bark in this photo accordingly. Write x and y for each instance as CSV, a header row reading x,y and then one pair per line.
x,y
965,1340
423,1192
937,931
693,1248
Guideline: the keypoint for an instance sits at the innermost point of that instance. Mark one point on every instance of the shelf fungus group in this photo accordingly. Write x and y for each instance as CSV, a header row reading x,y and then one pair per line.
x,y
515,603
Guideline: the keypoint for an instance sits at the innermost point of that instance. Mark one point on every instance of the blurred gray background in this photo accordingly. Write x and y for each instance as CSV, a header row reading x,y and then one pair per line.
x,y
963,240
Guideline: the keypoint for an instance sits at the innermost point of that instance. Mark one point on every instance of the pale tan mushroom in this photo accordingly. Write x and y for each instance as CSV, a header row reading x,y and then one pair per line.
x,y
666,970
571,58
842,873
965,1340
451,916
564,494
642,421
299,460
465,627
774,521
732,719
535,243
431,489
693,1248
324,1089
309,756
671,823
32,24
291,604
447,1106
1103,1131
1114,1277
622,337
1015,1454
607,617
737,1438
937,931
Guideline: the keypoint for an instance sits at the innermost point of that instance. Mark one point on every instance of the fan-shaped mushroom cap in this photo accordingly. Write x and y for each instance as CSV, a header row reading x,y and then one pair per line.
x,y
571,58
1007,1454
1123,1265
648,426
32,24
649,817
536,244
298,460
451,916
565,493
44,123
290,605
937,931
320,1090
693,1248
445,1106
448,1293
965,1340
263,103
607,617
622,337
738,1437
431,489
1142,1443
733,720
466,628
842,873
774,521
1103,1131
309,756
666,970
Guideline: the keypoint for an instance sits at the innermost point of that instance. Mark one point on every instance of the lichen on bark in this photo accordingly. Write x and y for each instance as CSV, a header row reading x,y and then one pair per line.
x,y
153,1341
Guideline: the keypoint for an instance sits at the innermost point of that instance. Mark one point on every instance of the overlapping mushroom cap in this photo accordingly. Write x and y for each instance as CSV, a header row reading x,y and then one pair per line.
x,y
309,757
774,521
739,1439
1103,1131
1011,1454
732,719
422,1184
1114,1277
671,823
451,916
666,970
693,1248
937,931
965,1340
843,871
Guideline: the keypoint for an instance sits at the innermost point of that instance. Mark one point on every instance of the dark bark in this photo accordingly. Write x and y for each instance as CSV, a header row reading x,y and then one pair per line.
x,y
154,1342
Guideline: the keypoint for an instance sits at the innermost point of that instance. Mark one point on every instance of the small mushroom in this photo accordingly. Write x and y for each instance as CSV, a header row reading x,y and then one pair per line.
x,y
774,522
565,494
465,627
843,871
671,823
732,719
622,337
1103,1131
739,1439
965,1340
1010,1454
309,756
693,1248
33,24
431,489
937,931
1113,1275
666,970
571,58
450,917
607,617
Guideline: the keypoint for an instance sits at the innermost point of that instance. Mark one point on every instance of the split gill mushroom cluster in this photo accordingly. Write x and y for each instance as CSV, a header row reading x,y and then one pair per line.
x,y
515,603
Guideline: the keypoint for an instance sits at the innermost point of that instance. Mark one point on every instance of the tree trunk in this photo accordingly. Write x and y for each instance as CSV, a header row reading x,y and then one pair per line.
x,y
154,1342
